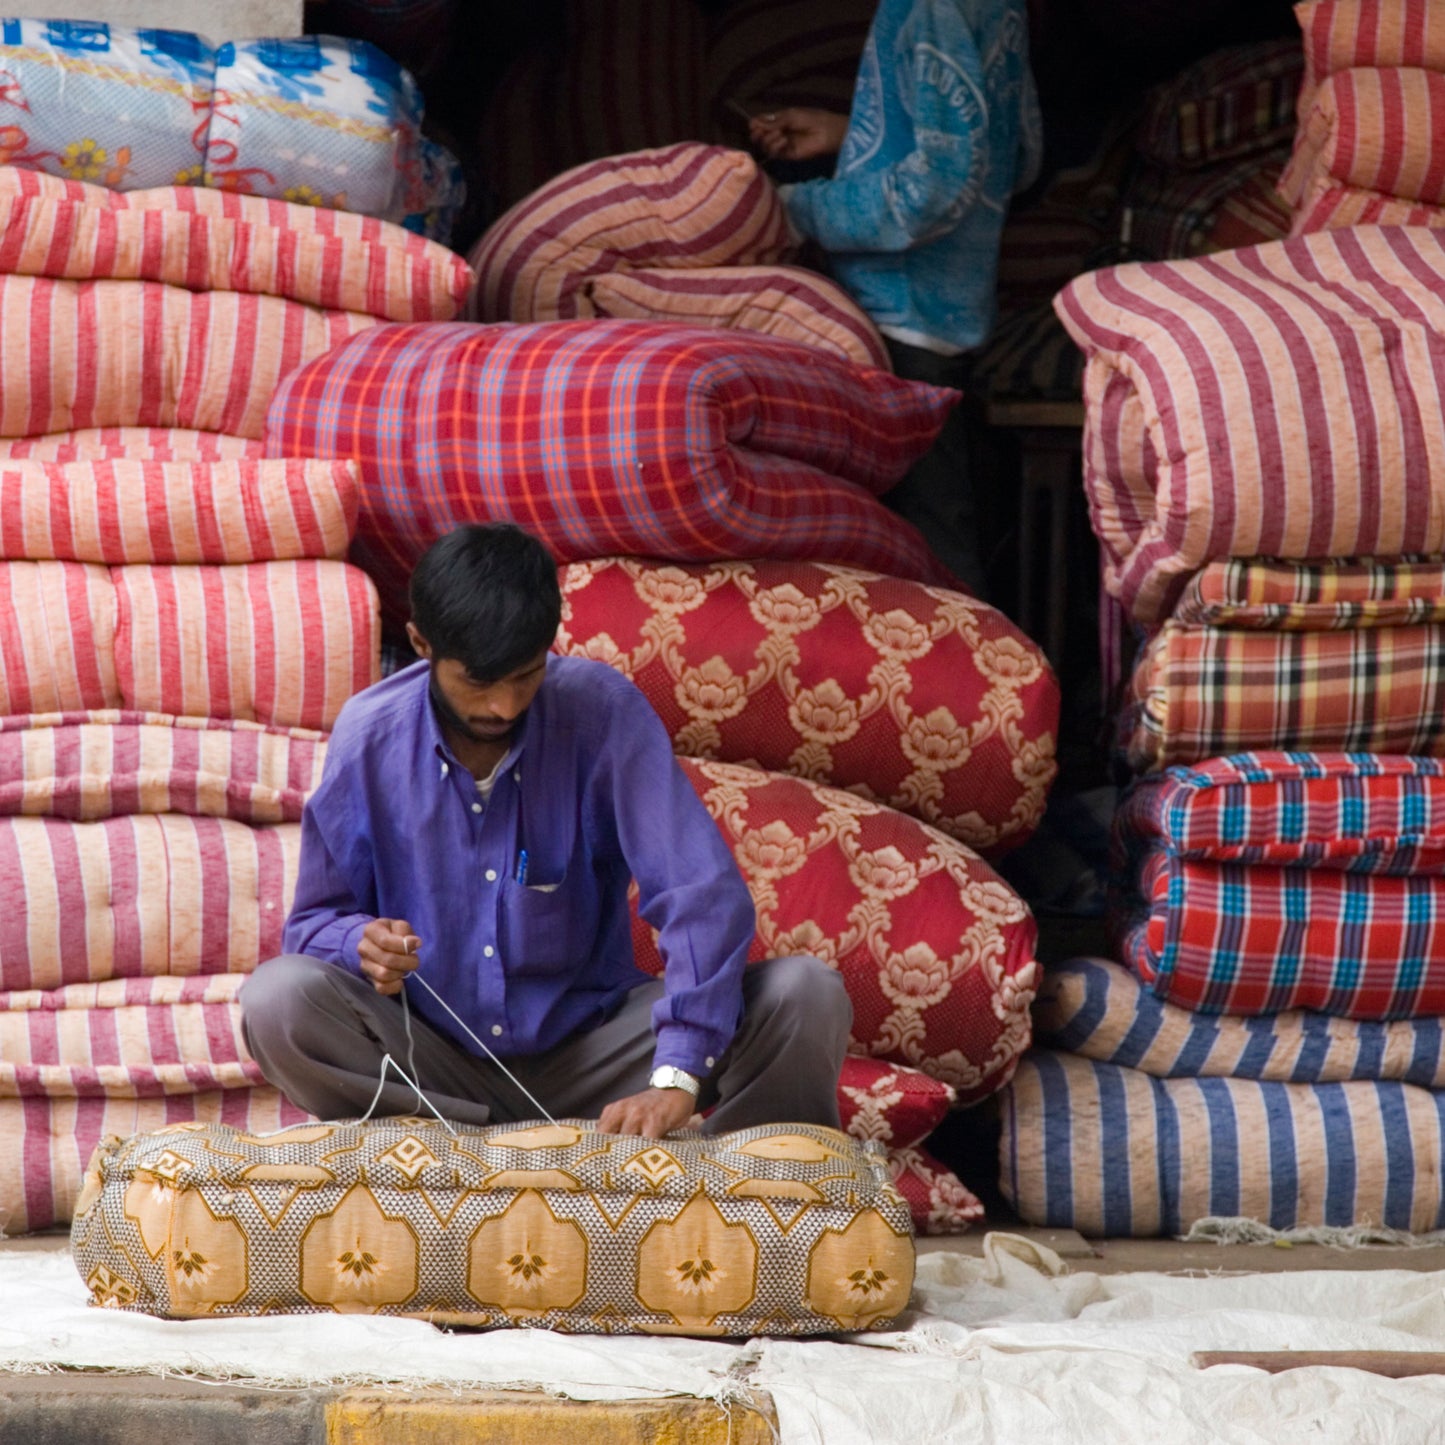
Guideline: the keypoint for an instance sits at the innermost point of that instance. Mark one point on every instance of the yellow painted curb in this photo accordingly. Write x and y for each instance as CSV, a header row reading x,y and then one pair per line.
x,y
374,1417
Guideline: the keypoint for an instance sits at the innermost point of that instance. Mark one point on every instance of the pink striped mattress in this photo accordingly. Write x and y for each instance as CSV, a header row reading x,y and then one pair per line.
x,y
82,354
276,642
1283,400
114,512
135,443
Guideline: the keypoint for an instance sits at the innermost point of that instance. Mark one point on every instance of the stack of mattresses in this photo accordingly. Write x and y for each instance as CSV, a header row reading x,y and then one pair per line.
x,y
1252,416
314,119
1371,141
175,640
180,630
784,683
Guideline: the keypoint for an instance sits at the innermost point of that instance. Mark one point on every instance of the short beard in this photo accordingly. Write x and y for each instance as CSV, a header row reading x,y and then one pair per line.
x,y
450,719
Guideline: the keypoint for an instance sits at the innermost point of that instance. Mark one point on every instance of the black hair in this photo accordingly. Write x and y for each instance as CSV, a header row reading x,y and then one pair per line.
x,y
487,597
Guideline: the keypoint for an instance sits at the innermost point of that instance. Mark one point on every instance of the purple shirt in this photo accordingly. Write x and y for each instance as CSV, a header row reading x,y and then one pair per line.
x,y
528,954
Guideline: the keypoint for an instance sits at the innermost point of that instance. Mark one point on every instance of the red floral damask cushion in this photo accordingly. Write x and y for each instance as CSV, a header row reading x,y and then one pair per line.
x,y
926,699
936,950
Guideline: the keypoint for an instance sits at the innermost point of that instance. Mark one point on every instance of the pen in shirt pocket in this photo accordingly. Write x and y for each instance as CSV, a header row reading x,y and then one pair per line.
x,y
521,874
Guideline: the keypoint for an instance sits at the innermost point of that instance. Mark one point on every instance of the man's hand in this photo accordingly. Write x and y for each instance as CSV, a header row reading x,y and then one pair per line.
x,y
798,133
388,953
652,1113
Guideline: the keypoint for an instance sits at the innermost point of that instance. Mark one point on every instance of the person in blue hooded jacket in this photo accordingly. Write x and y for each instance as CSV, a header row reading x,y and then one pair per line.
x,y
944,128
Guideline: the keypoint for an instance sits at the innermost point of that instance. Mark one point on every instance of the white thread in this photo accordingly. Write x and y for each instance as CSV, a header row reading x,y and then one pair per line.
x,y
381,1084
520,1085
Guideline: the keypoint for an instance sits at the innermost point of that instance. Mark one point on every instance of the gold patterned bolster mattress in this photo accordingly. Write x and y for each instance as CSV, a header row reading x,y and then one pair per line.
x,y
781,1229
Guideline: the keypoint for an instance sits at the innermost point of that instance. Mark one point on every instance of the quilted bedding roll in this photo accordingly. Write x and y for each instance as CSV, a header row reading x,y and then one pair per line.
x,y
927,700
1202,373
1112,1152
608,437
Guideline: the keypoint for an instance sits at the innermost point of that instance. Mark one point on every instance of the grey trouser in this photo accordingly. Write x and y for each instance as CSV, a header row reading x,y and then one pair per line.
x,y
320,1033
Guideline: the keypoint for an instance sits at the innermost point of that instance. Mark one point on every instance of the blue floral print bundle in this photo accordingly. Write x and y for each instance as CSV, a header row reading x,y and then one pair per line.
x,y
316,119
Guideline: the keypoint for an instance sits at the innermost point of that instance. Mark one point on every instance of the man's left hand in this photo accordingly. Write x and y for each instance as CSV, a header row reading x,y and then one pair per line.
x,y
652,1113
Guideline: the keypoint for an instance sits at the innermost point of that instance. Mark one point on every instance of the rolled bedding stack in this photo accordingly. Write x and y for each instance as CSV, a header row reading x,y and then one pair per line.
x,y
1370,147
181,630
1265,480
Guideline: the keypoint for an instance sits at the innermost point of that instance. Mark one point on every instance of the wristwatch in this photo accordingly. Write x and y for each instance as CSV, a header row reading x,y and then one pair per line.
x,y
667,1077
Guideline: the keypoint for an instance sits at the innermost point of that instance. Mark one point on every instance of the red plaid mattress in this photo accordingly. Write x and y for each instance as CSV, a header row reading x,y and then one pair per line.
x,y
145,511
133,896
1274,881
275,642
935,949
90,765
1202,374
927,700
613,437
82,354
47,1142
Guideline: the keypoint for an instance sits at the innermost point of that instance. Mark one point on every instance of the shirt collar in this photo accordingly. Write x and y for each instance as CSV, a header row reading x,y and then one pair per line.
x,y
436,739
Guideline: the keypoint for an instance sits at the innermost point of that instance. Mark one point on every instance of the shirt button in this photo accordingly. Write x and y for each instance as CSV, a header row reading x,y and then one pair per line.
x,y
711,1062
517,776
445,769
496,1031
489,950
491,875
476,807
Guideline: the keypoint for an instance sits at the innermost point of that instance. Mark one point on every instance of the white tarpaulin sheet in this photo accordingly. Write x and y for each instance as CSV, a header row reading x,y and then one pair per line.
x,y
999,1349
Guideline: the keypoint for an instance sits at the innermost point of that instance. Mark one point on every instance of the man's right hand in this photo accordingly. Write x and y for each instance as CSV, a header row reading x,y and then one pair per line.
x,y
798,133
388,950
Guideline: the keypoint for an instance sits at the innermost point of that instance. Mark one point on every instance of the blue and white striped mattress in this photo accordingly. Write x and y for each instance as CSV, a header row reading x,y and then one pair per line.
x,y
1114,1152
1100,1009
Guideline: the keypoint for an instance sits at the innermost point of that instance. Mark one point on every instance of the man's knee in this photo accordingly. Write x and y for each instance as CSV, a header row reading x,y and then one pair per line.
x,y
280,988
804,988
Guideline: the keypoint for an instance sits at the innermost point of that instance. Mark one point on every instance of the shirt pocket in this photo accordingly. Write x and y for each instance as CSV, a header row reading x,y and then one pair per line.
x,y
544,930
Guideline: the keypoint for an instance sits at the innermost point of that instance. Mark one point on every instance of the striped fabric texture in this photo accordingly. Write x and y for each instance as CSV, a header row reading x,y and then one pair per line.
x,y
143,895
223,204
762,54
89,765
1377,129
44,236
82,354
1251,214
133,443
613,437
1112,1152
1333,207
1198,692
117,512
1200,374
788,302
935,949
927,700
49,1141
130,1038
631,72
681,206
1096,1008
1348,34
284,643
